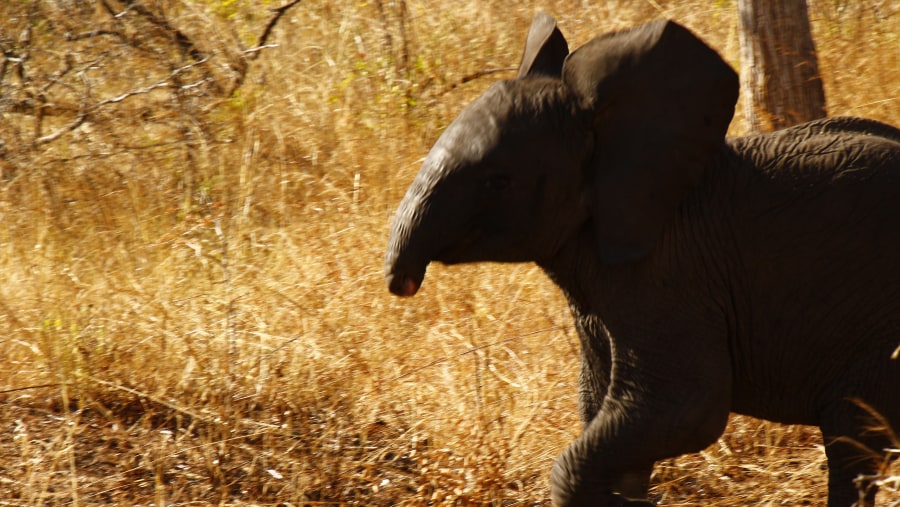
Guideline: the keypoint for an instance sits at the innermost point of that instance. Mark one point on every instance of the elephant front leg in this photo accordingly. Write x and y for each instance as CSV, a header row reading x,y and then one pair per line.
x,y
641,421
596,368
594,380
571,486
566,492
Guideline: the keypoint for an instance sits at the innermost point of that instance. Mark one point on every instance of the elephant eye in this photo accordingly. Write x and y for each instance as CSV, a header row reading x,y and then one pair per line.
x,y
497,182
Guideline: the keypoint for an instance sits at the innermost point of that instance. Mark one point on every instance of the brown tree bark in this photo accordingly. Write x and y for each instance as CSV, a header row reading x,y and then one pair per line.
x,y
780,77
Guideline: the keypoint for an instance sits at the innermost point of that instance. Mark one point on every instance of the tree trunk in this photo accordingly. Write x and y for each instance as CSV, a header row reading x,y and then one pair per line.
x,y
779,69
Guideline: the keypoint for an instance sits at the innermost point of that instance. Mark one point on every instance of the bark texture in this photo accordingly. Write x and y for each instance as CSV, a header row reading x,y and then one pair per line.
x,y
779,69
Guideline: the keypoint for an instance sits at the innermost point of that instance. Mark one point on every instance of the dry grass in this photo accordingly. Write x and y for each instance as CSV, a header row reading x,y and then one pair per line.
x,y
192,308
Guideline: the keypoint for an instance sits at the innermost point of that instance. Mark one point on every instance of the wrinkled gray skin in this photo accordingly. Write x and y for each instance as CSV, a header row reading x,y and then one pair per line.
x,y
757,275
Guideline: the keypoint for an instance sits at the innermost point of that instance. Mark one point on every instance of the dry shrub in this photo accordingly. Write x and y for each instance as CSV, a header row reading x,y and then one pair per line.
x,y
193,308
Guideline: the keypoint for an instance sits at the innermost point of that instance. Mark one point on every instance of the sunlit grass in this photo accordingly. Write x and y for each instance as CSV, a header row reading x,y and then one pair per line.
x,y
211,325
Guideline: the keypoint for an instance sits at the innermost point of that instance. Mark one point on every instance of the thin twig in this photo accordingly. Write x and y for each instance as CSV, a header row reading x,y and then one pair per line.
x,y
28,388
252,54
150,88
184,42
473,76
473,349
84,112
94,33
49,138
264,36
484,72
157,400
259,48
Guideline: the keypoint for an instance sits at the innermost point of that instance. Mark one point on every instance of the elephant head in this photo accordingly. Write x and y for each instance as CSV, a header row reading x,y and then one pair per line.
x,y
614,135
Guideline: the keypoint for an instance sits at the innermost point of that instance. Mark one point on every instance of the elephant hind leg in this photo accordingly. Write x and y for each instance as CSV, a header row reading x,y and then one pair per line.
x,y
854,452
847,462
633,485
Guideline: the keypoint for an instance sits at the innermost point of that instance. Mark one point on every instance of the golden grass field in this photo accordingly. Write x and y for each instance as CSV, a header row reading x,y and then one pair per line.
x,y
192,306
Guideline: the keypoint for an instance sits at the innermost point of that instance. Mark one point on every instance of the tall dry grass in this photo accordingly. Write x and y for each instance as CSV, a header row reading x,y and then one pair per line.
x,y
192,308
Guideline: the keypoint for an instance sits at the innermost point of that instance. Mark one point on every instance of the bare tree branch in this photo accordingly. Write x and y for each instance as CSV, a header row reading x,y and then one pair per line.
x,y
30,105
181,39
49,138
471,77
264,36
253,53
160,84
94,33
86,111
259,48
59,97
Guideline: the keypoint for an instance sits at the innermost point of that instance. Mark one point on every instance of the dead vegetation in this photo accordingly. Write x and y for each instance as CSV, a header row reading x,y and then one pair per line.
x,y
193,209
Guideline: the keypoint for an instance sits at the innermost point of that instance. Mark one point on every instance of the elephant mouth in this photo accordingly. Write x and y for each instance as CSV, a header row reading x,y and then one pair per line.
x,y
459,251
405,280
405,284
404,277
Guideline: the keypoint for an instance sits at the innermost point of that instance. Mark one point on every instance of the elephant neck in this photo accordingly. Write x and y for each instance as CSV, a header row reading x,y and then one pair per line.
x,y
578,272
686,262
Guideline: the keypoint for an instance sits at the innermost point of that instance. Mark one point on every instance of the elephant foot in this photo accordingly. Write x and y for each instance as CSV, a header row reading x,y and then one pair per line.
x,y
618,500
607,500
571,486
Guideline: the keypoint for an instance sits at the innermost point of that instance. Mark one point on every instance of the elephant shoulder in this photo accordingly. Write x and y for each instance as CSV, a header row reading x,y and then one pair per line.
x,y
829,146
850,125
839,127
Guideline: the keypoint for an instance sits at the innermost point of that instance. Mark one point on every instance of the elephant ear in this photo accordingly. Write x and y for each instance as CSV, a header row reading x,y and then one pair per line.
x,y
545,50
661,101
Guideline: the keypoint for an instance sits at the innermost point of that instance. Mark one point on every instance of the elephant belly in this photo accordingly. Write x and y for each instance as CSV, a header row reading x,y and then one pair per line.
x,y
799,392
781,406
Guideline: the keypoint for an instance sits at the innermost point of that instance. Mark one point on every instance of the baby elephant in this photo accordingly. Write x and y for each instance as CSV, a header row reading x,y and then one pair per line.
x,y
757,275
